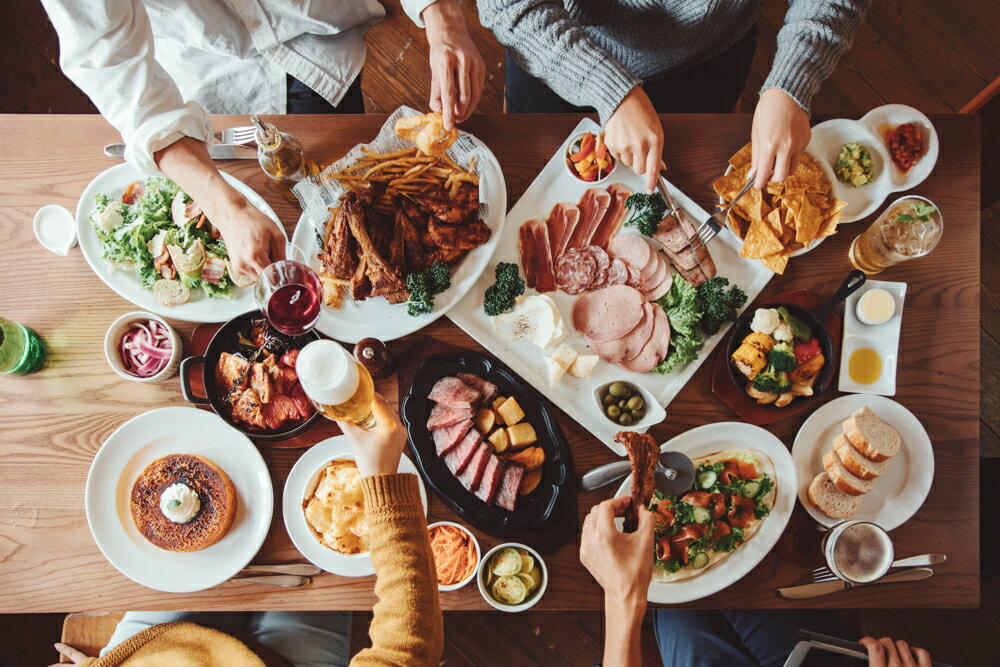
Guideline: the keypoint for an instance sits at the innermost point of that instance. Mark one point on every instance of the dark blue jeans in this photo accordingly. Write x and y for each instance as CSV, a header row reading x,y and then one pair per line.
x,y
303,99
740,638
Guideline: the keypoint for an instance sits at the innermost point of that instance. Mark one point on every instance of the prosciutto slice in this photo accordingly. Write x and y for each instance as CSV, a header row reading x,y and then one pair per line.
x,y
593,205
561,222
536,256
612,220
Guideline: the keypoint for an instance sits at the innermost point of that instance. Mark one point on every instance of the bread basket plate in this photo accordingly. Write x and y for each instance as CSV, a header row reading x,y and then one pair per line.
x,y
122,458
709,439
301,483
125,282
900,492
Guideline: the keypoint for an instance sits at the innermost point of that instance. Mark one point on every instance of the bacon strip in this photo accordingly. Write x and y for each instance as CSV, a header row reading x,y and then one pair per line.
x,y
642,454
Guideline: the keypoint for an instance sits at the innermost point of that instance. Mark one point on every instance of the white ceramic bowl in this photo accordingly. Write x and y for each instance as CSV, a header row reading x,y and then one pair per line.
x,y
475,542
512,608
566,153
654,411
120,327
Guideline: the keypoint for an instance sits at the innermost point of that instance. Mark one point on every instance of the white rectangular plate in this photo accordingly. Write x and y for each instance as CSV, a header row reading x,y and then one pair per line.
x,y
575,395
883,338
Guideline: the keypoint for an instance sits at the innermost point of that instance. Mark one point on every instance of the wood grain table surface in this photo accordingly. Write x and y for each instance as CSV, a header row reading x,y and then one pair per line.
x,y
53,423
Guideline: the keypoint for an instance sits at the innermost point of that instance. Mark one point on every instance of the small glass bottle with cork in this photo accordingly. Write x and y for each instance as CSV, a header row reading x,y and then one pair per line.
x,y
281,156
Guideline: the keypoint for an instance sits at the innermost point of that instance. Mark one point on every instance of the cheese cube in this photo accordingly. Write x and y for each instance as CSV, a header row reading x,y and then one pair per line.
x,y
583,365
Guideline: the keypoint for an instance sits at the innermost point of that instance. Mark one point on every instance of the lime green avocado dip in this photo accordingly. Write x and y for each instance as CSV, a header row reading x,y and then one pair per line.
x,y
854,165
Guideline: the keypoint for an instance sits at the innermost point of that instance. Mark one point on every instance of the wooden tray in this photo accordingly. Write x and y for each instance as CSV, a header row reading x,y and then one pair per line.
x,y
747,408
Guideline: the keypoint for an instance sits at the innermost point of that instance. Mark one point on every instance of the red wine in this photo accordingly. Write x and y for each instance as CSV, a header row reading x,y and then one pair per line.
x,y
293,308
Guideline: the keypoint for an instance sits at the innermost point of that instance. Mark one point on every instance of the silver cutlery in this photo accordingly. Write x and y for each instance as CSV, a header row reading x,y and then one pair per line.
x,y
236,136
284,580
715,223
807,591
300,569
824,573
215,151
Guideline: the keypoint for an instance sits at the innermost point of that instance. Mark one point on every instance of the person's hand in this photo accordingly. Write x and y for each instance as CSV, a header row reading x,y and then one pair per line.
x,y
252,238
622,563
888,653
377,450
457,69
780,134
75,656
634,135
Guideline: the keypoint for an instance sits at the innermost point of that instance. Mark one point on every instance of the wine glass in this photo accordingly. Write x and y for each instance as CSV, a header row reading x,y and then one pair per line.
x,y
289,293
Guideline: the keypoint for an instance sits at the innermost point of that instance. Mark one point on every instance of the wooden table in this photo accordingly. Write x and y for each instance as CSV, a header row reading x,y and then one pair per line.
x,y
54,422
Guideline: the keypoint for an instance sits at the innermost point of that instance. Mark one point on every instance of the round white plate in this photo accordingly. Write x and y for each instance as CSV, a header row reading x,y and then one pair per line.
x,y
717,437
136,444
301,483
900,492
356,319
872,131
199,308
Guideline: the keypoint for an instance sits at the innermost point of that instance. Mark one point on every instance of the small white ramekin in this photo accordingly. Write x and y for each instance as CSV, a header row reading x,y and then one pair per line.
x,y
120,327
512,608
475,570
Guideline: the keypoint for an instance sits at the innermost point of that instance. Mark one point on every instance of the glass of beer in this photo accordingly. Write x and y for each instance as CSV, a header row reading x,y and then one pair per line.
x,y
859,552
339,387
22,350
911,227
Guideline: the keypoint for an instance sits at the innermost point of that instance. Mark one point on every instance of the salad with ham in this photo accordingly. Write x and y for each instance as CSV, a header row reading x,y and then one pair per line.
x,y
156,229
145,348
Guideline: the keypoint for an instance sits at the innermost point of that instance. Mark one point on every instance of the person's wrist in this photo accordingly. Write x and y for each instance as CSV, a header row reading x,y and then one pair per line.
x,y
627,604
442,17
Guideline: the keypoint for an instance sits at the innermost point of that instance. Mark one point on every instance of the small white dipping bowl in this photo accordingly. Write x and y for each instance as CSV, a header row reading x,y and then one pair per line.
x,y
475,542
511,608
120,327
654,411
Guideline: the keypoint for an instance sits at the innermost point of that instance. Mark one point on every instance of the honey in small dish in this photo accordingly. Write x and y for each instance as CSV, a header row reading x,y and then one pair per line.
x,y
864,365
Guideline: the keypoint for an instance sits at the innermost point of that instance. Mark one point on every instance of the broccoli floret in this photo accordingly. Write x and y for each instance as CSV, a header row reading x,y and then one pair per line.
x,y
771,380
500,296
782,357
718,304
647,211
424,286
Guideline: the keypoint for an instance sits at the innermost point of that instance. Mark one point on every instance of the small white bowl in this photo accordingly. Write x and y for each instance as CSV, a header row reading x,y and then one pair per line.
x,y
654,411
475,542
55,229
572,172
512,608
120,327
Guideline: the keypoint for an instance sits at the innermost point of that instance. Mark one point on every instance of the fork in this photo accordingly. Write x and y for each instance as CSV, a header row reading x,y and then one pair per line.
x,y
824,573
237,136
714,224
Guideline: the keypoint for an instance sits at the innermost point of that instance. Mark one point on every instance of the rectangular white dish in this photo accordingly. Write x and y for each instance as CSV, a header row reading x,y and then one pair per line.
x,y
883,338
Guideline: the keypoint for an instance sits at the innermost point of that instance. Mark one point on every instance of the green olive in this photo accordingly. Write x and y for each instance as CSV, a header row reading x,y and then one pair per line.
x,y
617,389
613,411
609,399
623,404
625,419
635,403
628,391
637,414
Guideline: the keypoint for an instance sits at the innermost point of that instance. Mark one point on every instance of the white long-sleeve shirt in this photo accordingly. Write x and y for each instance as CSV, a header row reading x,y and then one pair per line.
x,y
156,68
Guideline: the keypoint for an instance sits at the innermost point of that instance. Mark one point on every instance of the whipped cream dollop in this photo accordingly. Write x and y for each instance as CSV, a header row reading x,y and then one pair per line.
x,y
179,503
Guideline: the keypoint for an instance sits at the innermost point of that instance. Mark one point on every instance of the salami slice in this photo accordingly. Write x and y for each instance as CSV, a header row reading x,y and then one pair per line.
x,y
603,264
617,273
634,278
575,270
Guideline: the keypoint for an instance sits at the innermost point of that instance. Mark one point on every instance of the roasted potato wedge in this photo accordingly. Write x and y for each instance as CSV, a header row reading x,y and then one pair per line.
x,y
530,458
485,419
511,411
530,481
500,440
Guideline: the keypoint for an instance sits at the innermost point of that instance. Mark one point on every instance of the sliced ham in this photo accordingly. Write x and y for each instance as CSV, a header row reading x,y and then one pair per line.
x,y
477,465
562,221
608,313
454,393
593,205
491,480
484,387
631,249
614,216
442,415
632,343
510,483
446,438
655,350
660,270
459,457
657,291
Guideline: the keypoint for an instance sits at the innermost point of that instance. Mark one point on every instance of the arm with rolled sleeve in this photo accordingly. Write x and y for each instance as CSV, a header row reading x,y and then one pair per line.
x,y
414,9
551,46
815,34
106,48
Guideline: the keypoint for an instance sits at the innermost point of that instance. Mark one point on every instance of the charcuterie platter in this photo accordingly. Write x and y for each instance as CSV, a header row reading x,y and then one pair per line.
x,y
599,301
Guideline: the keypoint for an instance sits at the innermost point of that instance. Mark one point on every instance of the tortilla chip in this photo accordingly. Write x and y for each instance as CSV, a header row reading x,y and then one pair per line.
x,y
807,222
742,157
728,185
752,206
808,176
776,262
774,188
773,220
760,241
738,224
829,226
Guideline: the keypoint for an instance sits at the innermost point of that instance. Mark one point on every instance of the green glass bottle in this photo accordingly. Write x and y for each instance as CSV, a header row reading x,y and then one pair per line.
x,y
22,350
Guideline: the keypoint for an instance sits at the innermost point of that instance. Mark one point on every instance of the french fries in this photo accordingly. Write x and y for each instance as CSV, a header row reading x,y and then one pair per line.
x,y
406,171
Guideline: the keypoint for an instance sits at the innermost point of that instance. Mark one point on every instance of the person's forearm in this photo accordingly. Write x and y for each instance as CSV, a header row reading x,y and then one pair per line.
x,y
622,632
188,164
442,15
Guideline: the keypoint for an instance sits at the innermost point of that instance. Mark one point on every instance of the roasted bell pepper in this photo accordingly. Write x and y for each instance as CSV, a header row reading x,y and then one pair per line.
x,y
586,148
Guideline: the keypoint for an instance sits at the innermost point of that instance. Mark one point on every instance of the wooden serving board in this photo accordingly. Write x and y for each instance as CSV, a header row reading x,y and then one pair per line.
x,y
747,408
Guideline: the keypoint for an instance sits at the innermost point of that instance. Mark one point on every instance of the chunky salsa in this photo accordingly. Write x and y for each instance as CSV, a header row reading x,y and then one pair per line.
x,y
906,145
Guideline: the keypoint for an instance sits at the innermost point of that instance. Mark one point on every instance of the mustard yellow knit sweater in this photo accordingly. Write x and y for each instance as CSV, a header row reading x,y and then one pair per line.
x,y
407,628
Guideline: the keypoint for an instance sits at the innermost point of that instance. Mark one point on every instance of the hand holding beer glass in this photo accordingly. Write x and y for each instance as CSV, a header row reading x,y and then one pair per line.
x,y
339,387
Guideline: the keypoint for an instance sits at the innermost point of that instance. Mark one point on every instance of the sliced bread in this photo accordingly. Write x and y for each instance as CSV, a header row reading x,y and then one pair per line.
x,y
830,500
171,292
855,463
871,436
842,477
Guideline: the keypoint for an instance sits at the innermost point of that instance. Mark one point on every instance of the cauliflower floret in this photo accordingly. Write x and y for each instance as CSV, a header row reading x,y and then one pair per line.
x,y
765,321
783,333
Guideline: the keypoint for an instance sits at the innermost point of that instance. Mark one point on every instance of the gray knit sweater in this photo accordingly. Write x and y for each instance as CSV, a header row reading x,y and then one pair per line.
x,y
593,52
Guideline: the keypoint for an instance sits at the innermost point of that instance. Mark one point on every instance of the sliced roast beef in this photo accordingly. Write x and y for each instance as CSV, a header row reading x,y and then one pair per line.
x,y
484,387
447,437
442,415
473,472
458,458
510,483
490,482
454,393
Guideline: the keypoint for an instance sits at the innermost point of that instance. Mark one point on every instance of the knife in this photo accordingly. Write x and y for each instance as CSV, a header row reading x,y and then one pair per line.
x,y
299,569
826,587
215,151
284,580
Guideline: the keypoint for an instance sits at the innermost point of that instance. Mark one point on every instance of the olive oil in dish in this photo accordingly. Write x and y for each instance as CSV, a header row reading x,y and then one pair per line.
x,y
864,365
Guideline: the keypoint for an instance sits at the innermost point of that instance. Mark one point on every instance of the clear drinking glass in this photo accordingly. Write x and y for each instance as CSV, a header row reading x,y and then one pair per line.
x,y
911,227
858,552
290,294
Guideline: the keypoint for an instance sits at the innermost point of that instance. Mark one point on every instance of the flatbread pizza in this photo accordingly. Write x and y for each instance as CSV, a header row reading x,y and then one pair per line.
x,y
733,492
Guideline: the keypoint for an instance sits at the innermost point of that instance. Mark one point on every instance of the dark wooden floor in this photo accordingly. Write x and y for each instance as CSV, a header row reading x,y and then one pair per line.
x,y
936,55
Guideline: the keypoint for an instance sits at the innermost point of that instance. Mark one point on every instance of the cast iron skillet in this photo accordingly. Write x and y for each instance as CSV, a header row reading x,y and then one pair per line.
x,y
224,340
816,319
545,518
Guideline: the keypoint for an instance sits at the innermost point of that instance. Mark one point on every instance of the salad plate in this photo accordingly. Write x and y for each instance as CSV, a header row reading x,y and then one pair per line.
x,y
122,459
126,282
